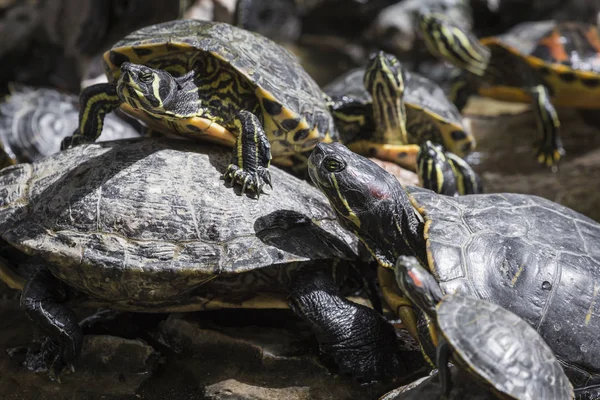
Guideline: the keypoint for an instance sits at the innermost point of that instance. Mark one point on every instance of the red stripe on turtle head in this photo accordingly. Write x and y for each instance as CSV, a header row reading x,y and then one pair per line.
x,y
415,278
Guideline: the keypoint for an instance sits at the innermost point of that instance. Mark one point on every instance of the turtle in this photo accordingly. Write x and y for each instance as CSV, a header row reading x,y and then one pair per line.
x,y
445,173
385,111
395,29
215,82
34,120
495,346
546,63
534,257
145,225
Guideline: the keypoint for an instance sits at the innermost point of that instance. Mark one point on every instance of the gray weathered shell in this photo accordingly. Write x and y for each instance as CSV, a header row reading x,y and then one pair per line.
x,y
149,220
33,122
420,94
527,254
502,348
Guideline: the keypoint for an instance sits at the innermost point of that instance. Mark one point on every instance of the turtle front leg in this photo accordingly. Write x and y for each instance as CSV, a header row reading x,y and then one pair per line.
x,y
360,341
41,299
443,354
462,86
550,147
251,155
94,103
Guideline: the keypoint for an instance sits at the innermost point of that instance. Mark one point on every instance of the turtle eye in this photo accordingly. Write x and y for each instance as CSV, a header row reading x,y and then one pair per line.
x,y
333,165
146,78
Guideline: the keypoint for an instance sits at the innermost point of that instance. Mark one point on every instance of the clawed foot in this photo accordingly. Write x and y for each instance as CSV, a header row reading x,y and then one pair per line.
x,y
550,154
52,358
73,140
255,181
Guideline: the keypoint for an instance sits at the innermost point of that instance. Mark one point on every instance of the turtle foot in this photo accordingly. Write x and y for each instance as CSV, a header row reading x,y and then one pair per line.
x,y
73,140
253,181
51,358
550,154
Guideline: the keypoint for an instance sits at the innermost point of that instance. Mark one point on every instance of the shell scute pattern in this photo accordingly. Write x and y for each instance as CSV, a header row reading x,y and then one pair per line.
x,y
502,348
151,210
271,72
424,94
530,256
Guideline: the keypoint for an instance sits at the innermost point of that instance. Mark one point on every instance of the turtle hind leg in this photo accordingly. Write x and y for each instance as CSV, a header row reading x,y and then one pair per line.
x,y
550,148
41,299
94,103
251,155
360,341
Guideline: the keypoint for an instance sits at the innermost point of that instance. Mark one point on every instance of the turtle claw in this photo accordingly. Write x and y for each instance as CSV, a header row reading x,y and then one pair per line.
x,y
73,140
52,358
550,155
252,181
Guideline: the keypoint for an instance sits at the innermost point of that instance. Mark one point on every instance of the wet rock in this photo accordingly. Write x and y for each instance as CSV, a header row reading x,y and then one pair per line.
x,y
108,366
234,390
238,359
429,387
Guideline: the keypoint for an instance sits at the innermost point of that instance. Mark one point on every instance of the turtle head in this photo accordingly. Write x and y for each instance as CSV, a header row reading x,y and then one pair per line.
x,y
453,43
145,88
418,285
368,201
384,75
384,80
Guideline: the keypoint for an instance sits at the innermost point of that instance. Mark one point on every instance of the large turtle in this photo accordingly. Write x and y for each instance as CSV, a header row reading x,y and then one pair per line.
x,y
385,111
496,347
217,82
145,225
543,62
527,254
33,122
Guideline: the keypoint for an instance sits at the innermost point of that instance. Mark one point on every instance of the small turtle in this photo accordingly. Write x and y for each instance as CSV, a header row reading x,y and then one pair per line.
x,y
544,62
216,82
497,347
145,225
445,172
527,254
386,112
33,121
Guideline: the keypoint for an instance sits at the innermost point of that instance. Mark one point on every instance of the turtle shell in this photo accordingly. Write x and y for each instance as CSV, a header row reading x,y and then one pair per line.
x,y
564,55
284,89
33,122
145,222
527,254
501,349
428,110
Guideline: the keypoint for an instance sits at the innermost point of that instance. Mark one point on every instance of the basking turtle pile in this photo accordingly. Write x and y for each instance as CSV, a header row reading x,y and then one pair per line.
x,y
190,210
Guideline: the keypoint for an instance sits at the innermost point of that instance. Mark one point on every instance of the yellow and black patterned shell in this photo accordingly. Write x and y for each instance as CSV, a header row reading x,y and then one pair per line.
x,y
273,73
501,349
564,54
532,256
